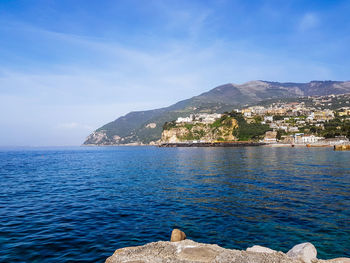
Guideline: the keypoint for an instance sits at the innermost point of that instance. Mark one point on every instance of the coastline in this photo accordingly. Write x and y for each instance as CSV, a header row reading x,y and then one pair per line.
x,y
114,145
298,145
221,144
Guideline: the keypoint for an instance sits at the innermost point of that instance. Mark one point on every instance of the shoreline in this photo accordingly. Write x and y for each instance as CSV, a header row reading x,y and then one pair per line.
x,y
114,145
299,145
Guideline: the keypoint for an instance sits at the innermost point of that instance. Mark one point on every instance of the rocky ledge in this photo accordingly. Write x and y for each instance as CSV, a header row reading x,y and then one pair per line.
x,y
186,251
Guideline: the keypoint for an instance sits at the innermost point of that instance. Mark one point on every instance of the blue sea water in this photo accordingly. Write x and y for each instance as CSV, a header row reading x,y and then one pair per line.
x,y
80,204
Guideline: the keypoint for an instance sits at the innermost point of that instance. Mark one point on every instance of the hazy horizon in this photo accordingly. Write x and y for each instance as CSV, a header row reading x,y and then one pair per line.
x,y
66,68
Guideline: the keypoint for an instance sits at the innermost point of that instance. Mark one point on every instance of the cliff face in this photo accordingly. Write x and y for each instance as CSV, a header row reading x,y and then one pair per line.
x,y
221,130
101,138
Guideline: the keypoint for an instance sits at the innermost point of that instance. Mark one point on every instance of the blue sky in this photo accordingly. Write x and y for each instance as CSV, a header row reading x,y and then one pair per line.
x,y
69,66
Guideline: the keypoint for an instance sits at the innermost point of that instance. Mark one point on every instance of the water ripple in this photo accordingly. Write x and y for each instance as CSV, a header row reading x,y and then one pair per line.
x,y
80,204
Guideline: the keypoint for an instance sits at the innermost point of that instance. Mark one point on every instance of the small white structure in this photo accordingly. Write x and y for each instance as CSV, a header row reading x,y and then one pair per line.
x,y
273,126
306,139
247,114
293,129
207,118
185,119
202,118
268,118
283,127
258,110
309,118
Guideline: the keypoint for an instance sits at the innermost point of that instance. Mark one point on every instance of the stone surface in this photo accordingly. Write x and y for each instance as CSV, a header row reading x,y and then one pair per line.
x,y
306,252
177,235
261,249
188,251
151,125
336,260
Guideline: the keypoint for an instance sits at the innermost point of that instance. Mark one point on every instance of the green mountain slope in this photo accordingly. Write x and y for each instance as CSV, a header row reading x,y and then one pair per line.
x,y
146,126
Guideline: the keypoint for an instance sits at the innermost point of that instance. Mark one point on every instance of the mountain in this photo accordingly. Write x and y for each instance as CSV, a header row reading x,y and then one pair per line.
x,y
146,126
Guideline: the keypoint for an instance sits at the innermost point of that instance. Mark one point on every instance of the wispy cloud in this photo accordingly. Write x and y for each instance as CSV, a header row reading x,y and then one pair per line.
x,y
74,126
308,21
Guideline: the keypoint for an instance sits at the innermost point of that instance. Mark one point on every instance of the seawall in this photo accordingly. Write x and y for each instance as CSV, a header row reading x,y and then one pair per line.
x,y
212,144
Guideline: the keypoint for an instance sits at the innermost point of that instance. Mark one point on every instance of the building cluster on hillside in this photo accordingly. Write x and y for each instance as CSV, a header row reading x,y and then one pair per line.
x,y
297,122
199,118
292,117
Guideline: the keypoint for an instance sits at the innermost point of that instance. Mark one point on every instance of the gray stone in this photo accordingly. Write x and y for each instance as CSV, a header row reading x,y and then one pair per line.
x,y
260,249
306,252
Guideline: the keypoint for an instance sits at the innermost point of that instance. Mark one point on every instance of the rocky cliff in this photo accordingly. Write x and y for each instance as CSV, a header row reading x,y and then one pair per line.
x,y
221,130
229,127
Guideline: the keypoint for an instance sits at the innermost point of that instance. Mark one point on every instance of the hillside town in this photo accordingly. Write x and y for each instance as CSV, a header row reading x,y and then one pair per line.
x,y
311,121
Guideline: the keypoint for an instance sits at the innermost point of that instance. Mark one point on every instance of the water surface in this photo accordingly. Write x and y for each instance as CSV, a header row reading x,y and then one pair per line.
x,y
80,204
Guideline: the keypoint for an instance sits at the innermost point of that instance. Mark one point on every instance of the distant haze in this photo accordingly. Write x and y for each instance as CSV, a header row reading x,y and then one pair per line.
x,y
68,67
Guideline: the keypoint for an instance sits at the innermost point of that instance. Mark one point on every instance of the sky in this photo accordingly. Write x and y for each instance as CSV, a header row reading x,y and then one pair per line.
x,y
69,66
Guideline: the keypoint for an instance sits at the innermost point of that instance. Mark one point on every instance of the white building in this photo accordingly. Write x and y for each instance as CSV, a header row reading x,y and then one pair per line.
x,y
258,110
185,119
310,139
203,118
307,139
207,118
293,129
268,118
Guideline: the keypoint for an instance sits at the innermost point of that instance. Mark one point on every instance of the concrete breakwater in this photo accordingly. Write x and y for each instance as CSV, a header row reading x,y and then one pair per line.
x,y
212,144
180,250
342,147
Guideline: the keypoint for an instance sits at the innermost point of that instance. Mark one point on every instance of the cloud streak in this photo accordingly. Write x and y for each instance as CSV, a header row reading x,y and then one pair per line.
x,y
308,21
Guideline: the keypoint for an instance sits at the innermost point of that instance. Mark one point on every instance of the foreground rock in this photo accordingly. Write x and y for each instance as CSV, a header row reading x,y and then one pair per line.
x,y
179,250
306,252
177,235
188,251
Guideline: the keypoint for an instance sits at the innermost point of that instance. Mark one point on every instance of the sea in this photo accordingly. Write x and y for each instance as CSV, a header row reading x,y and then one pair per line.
x,y
80,204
